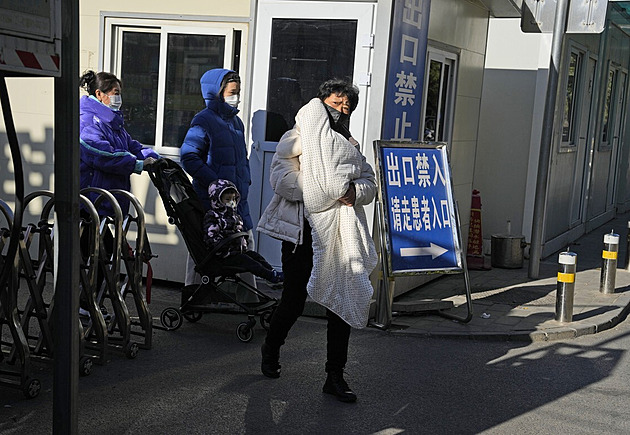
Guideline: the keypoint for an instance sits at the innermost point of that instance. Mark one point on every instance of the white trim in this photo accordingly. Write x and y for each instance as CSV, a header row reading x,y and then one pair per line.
x,y
578,99
173,17
443,56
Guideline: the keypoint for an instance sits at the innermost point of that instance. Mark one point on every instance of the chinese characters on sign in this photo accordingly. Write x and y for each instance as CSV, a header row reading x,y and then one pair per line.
x,y
475,240
405,76
418,205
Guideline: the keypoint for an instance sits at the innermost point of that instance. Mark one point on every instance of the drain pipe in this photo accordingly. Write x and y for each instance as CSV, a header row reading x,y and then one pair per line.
x,y
535,250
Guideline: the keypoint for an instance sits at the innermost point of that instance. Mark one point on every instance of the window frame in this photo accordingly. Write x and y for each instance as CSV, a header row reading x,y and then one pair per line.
x,y
617,100
578,98
452,58
112,55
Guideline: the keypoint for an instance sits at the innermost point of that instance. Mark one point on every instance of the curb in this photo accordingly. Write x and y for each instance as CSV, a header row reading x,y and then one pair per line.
x,y
552,334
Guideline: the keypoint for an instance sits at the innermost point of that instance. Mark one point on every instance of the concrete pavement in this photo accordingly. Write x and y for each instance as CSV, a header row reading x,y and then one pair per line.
x,y
510,306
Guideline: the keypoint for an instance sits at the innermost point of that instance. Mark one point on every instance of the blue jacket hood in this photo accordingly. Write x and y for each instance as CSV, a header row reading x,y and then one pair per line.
x,y
211,83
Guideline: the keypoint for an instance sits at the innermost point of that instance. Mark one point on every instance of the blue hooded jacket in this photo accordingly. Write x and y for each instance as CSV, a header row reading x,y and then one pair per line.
x,y
108,153
214,147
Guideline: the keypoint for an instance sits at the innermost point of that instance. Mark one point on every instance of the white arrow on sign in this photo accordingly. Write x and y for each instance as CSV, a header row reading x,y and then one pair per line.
x,y
434,251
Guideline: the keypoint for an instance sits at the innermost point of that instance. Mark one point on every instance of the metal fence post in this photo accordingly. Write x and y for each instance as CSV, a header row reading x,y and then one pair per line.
x,y
567,264
609,263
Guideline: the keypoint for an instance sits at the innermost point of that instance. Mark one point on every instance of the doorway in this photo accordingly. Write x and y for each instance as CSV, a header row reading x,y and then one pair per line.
x,y
299,45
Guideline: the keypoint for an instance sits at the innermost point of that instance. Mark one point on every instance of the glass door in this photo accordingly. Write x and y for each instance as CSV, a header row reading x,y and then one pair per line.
x,y
299,45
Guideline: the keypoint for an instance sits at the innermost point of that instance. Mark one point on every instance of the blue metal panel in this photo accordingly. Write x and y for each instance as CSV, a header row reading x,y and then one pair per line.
x,y
405,72
422,233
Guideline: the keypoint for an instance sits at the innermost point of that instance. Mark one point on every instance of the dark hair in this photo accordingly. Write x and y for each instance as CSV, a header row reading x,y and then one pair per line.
x,y
342,88
104,81
229,78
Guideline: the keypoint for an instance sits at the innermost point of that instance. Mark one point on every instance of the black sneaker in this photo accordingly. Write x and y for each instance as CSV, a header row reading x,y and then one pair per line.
x,y
338,387
270,366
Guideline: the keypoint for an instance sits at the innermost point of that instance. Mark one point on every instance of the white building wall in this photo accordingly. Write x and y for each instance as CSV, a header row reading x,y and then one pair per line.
x,y
512,105
460,27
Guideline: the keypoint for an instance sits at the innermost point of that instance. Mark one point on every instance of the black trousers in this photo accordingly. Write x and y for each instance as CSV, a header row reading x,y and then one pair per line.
x,y
297,264
251,261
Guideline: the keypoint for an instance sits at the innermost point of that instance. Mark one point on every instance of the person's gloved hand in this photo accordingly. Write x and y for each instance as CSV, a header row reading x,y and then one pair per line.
x,y
148,152
148,162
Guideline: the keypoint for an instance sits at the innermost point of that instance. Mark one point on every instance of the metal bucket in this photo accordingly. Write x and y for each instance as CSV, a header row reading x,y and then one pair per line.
x,y
507,251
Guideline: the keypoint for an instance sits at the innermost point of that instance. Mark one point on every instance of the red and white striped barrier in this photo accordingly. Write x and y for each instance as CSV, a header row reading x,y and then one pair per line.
x,y
29,62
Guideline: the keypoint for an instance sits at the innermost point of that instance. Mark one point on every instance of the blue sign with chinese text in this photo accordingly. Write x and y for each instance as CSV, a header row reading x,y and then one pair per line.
x,y
405,73
419,213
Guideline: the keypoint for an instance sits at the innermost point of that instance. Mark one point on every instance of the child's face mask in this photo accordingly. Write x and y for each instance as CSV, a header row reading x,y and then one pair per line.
x,y
229,199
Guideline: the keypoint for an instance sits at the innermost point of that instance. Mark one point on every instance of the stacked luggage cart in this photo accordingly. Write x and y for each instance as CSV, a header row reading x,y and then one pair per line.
x,y
27,293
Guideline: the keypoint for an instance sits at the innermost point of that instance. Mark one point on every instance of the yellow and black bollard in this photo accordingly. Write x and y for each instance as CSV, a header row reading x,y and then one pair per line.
x,y
567,264
609,263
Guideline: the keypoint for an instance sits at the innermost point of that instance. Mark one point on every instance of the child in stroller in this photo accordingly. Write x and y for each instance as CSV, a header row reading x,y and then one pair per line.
x,y
217,279
222,221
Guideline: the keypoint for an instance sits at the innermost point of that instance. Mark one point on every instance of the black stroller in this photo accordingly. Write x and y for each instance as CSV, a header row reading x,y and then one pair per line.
x,y
185,210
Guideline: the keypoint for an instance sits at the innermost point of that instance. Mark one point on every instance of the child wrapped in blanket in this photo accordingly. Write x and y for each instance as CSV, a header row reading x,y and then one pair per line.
x,y
221,221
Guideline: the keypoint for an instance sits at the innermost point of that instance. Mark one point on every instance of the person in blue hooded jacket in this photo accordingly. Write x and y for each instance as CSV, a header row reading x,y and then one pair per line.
x,y
214,147
109,155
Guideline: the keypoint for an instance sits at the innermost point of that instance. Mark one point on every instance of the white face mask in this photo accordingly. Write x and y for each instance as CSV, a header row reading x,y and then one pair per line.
x,y
232,100
115,102
231,204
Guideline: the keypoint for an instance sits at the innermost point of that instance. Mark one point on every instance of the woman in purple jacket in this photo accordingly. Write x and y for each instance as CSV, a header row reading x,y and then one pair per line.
x,y
108,153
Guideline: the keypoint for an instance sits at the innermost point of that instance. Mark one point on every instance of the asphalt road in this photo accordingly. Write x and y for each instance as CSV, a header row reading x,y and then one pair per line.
x,y
201,379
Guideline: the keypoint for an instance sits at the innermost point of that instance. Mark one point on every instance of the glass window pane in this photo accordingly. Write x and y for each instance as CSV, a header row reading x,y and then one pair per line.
x,y
568,119
188,57
433,100
304,53
446,79
139,76
607,105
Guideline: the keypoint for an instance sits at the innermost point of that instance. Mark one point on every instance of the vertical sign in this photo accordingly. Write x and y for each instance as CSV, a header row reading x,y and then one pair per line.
x,y
405,72
419,213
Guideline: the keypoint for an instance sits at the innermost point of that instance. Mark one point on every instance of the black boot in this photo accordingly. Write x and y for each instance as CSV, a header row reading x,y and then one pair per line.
x,y
337,386
270,366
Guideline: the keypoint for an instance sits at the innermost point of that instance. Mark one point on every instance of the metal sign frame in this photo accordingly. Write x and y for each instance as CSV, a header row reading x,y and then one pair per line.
x,y
408,251
417,169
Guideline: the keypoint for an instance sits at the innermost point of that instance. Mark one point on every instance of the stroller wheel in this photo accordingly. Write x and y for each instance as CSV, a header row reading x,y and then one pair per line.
x,y
171,318
85,366
31,388
131,350
193,316
244,332
265,319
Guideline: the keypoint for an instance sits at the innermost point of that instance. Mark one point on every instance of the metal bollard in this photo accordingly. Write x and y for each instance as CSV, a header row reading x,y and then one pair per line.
x,y
567,264
609,263
626,266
